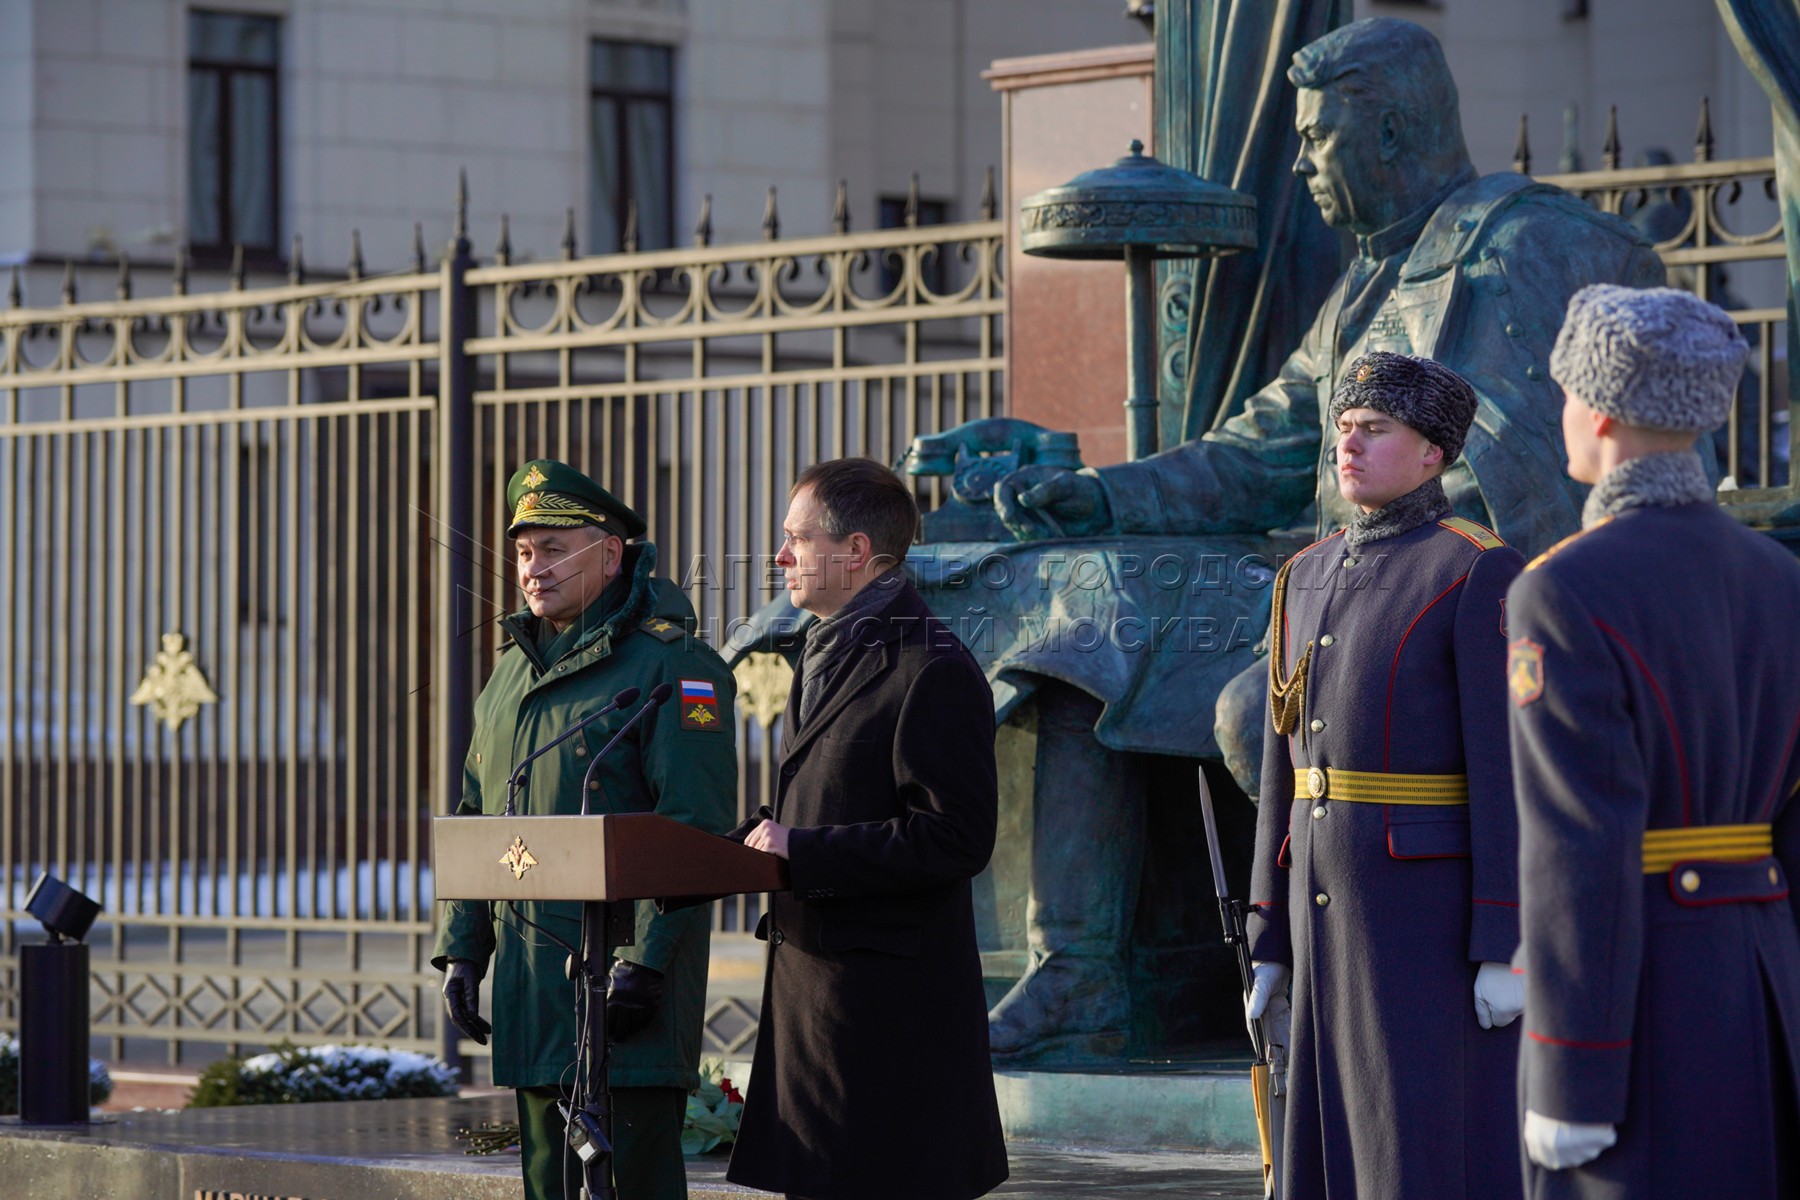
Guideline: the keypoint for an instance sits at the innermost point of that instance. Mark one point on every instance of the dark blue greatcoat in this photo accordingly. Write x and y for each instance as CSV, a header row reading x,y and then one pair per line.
x,y
1655,680
1385,911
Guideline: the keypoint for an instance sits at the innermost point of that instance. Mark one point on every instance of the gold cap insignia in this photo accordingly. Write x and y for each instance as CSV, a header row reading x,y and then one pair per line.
x,y
1363,372
534,477
518,859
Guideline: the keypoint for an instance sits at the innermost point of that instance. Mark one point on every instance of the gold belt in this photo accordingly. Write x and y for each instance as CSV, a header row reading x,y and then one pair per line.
x,y
1663,848
1380,787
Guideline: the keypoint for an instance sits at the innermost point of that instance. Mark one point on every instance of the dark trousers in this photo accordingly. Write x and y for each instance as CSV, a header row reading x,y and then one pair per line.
x,y
647,1162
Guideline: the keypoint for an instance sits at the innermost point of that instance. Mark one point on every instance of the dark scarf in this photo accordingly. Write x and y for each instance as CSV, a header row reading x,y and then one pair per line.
x,y
829,642
1653,481
1421,506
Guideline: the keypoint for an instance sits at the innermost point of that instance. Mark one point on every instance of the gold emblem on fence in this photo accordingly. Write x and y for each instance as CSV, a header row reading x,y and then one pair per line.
x,y
764,680
518,859
174,688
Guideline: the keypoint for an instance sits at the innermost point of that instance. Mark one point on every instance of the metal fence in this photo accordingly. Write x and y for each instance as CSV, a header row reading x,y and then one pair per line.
x,y
1710,219
251,549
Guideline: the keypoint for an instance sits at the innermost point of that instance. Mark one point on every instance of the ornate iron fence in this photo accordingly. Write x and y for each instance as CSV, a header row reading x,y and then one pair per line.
x,y
251,547
1700,216
199,725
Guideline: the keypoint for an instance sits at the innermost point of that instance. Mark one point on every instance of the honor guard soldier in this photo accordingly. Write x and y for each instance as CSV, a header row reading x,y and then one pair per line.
x,y
1386,865
597,622
1655,705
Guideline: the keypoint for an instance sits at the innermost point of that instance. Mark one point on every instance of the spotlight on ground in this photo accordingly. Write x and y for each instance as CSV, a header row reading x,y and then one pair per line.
x,y
53,1007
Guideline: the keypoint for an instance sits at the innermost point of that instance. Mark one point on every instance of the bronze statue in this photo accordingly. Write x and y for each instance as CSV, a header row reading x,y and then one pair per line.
x,y
1474,271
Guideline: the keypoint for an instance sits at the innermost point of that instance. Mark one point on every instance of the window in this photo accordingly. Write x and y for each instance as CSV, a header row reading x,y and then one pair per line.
x,y
631,144
233,164
931,265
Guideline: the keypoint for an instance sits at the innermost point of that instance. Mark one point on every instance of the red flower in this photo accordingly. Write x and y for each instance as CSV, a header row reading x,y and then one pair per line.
x,y
731,1093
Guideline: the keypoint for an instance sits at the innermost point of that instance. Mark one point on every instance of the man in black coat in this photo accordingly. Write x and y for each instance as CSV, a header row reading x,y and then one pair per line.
x,y
1656,742
871,1077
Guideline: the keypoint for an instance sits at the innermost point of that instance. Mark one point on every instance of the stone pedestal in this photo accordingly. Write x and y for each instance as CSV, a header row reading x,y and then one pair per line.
x,y
1065,321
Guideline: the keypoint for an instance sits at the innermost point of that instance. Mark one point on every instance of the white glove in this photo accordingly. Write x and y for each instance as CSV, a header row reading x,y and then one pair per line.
x,y
1269,997
1499,995
1562,1144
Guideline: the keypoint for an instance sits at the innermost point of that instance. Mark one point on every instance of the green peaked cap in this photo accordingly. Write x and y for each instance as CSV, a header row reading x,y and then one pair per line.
x,y
545,493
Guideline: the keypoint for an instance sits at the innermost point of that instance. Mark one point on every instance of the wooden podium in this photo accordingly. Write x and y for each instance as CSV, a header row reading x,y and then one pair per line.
x,y
622,856
606,862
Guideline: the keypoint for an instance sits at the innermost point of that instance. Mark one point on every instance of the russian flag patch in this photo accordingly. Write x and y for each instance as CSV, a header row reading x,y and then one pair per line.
x,y
699,705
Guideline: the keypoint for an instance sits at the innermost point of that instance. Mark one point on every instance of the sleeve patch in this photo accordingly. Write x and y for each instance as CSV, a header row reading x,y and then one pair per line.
x,y
699,702
1525,671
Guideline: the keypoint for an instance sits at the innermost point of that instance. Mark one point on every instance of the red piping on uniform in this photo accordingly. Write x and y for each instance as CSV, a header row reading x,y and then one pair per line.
x,y
1387,732
1768,898
1786,758
1501,903
1668,717
1575,1045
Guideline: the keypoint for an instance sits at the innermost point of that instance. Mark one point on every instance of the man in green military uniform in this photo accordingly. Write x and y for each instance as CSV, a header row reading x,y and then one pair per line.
x,y
597,623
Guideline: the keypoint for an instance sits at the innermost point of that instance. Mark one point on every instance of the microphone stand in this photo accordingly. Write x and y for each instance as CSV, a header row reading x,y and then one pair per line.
x,y
605,924
517,777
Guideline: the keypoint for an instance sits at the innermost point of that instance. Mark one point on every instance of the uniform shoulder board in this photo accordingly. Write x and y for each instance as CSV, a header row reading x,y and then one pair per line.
x,y
663,630
1547,555
1481,535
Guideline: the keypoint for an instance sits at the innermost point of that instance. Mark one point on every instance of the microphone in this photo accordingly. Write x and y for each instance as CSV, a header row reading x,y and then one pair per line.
x,y
628,696
658,696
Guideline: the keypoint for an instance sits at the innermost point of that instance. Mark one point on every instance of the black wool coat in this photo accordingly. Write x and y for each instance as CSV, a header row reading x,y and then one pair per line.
x,y
871,1077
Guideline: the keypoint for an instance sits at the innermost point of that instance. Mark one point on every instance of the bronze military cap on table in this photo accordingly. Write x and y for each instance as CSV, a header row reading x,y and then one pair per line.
x,y
550,494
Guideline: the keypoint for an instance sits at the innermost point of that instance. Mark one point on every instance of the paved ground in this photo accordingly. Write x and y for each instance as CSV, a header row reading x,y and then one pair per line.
x,y
316,1148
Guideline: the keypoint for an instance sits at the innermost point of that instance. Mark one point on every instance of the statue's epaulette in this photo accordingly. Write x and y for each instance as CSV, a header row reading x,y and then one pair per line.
x,y
1481,535
663,630
1545,557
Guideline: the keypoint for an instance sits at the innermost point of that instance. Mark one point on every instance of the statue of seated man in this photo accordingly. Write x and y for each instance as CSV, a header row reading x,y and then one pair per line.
x,y
1472,270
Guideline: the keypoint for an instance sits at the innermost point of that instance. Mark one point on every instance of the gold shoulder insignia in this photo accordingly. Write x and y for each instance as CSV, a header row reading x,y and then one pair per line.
x,y
1545,557
1287,697
1481,535
663,630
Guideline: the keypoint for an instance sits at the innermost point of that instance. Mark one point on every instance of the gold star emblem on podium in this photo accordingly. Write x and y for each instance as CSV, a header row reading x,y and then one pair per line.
x,y
518,859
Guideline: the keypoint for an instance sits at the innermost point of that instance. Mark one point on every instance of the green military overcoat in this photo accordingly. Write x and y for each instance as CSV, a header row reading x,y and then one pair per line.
x,y
680,761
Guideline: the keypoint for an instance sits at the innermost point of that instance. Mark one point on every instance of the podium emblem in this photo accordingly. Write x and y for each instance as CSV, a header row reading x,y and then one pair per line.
x,y
518,858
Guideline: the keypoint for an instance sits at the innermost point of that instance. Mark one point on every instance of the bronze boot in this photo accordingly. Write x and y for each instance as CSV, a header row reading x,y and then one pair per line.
x,y
1073,1003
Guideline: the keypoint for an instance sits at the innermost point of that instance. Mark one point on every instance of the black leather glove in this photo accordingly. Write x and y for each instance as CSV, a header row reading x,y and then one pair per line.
x,y
633,994
462,1000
